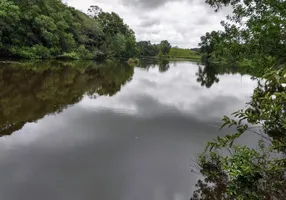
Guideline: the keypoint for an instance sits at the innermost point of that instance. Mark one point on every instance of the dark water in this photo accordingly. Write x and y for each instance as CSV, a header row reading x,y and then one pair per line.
x,y
81,131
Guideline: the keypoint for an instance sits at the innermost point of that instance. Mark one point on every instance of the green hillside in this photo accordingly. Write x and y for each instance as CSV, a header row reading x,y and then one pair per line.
x,y
178,53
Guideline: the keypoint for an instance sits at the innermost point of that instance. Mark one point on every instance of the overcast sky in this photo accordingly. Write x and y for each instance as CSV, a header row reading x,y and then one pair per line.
x,y
181,22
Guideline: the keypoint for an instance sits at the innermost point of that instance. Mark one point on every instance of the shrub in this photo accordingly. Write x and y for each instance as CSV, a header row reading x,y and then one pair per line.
x,y
69,56
133,61
36,51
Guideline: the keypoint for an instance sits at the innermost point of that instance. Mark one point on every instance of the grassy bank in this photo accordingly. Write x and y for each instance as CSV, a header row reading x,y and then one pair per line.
x,y
183,54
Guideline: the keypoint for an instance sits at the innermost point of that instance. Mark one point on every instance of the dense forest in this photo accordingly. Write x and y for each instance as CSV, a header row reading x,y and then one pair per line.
x,y
253,39
44,29
51,29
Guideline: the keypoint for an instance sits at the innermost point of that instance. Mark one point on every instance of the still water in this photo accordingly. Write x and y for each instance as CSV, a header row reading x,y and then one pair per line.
x,y
82,131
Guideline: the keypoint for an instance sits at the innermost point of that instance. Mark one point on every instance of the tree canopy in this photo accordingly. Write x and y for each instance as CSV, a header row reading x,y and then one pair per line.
x,y
44,29
147,49
254,31
165,47
49,29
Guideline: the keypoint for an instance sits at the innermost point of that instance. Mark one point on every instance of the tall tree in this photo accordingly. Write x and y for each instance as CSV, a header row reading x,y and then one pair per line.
x,y
119,38
165,47
44,29
145,48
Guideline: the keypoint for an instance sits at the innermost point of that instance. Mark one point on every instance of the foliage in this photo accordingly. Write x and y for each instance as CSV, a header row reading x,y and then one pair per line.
x,y
164,51
69,56
94,11
133,61
120,39
45,29
160,55
248,173
165,47
255,32
208,44
117,45
146,49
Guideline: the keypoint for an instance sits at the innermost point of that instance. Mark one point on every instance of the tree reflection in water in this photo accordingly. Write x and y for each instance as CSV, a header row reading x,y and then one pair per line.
x,y
207,75
29,91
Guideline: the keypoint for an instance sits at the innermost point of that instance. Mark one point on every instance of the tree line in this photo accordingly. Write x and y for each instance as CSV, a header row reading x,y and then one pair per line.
x,y
51,29
147,49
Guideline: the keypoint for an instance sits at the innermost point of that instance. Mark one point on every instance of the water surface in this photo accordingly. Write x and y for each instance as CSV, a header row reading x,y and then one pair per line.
x,y
83,131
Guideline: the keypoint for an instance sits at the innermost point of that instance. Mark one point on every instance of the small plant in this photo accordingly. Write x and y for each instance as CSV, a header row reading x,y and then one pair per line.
x,y
133,61
69,56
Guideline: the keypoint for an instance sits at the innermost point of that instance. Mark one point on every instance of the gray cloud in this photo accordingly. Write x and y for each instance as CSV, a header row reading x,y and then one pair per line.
x,y
150,22
202,21
151,4
181,22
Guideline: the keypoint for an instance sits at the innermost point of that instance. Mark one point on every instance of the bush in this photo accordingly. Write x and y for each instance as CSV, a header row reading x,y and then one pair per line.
x,y
37,51
133,61
83,53
69,56
243,172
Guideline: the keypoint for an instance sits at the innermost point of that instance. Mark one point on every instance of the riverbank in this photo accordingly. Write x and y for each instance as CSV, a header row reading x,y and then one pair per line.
x,y
176,54
180,54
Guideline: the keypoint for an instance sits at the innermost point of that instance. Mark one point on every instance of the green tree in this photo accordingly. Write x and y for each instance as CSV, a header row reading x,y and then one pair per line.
x,y
44,29
208,44
146,49
117,45
119,38
238,172
94,11
9,17
165,47
254,32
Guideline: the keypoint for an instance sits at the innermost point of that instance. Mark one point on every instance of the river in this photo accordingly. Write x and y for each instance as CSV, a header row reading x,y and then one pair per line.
x,y
82,131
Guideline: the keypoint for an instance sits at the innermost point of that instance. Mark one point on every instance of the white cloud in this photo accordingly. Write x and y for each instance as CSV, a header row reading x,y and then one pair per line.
x,y
182,22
